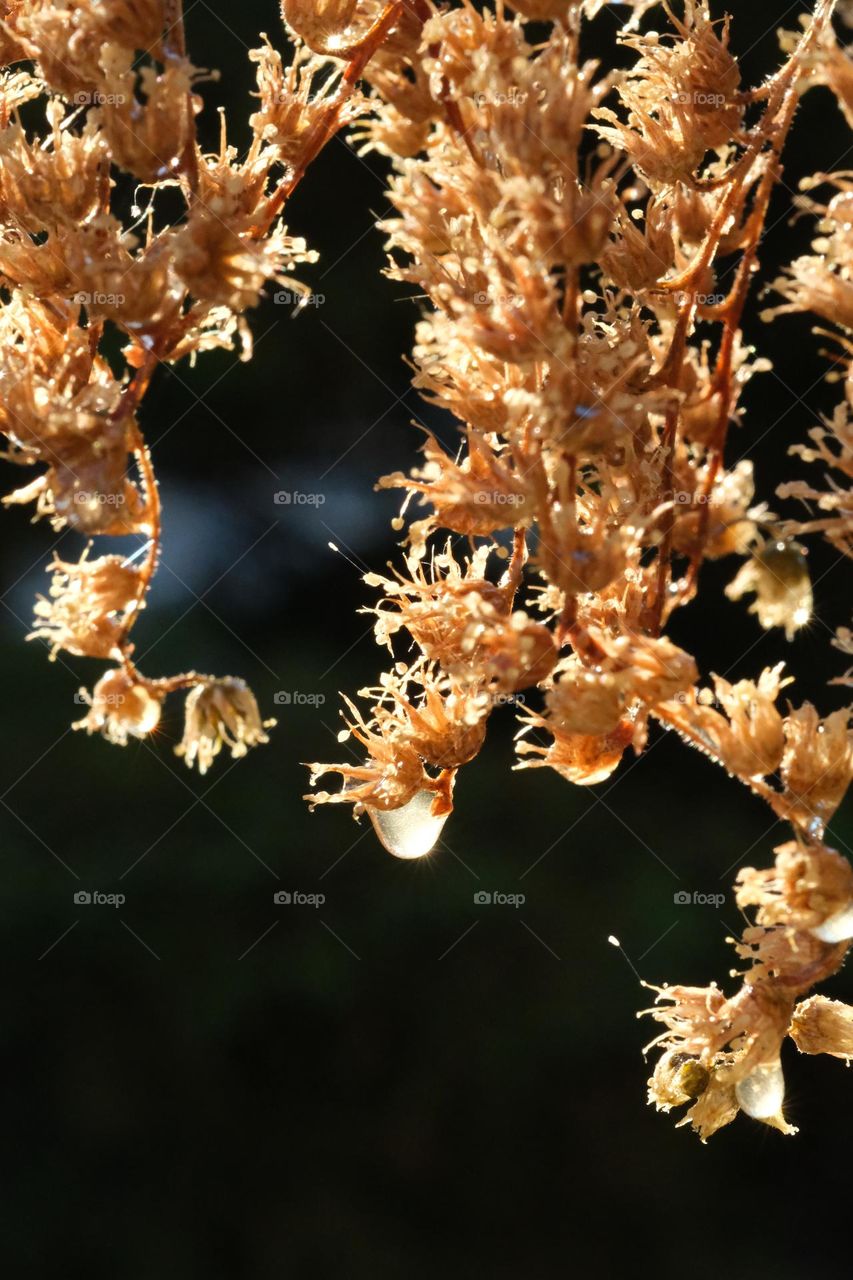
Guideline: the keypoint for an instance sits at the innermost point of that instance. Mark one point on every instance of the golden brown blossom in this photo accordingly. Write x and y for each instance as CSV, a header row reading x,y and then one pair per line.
x,y
779,577
219,713
88,607
817,765
820,1025
120,707
391,776
582,758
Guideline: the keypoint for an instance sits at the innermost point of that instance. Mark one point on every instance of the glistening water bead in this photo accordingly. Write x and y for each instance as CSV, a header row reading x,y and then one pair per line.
x,y
762,1092
412,830
836,928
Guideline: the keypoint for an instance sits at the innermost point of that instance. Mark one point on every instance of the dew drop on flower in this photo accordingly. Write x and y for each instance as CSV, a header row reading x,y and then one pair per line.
x,y
410,831
836,928
762,1092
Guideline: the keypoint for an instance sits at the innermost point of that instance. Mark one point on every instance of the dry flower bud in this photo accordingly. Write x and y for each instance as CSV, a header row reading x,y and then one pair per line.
x,y
88,606
820,1025
120,707
778,575
219,713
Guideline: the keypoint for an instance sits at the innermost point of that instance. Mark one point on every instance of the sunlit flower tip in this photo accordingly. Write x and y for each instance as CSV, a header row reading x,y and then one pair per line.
x,y
412,830
220,713
761,1095
120,708
779,577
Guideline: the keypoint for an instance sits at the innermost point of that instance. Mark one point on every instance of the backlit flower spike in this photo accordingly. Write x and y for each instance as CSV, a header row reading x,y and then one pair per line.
x,y
78,263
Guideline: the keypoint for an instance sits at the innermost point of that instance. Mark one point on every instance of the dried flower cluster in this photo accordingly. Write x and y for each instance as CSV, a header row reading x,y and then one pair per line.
x,y
571,229
98,99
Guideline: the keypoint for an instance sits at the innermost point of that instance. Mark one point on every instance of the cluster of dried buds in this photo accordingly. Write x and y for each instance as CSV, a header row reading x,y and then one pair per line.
x,y
586,241
98,108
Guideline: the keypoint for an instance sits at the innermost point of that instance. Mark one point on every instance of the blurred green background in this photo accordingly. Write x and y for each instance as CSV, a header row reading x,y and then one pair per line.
x,y
204,1085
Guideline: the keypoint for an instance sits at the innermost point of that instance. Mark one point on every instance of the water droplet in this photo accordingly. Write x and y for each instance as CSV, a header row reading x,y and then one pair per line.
x,y
410,831
762,1092
836,928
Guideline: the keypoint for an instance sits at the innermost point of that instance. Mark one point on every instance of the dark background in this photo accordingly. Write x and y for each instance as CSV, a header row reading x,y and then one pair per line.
x,y
203,1084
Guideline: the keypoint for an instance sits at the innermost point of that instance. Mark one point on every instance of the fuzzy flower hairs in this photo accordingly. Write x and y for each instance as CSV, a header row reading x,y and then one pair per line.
x,y
568,229
70,268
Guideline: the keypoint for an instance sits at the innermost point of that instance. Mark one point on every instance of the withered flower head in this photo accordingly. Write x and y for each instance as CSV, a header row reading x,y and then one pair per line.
x,y
219,713
391,776
120,707
778,575
88,607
